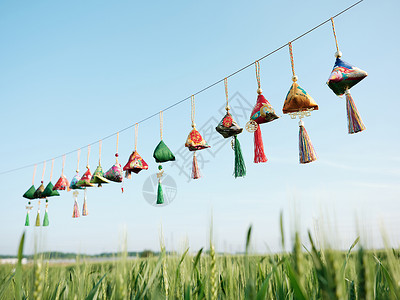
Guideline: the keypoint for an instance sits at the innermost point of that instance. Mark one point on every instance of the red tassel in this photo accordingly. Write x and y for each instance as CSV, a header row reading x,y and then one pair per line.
x,y
259,155
195,168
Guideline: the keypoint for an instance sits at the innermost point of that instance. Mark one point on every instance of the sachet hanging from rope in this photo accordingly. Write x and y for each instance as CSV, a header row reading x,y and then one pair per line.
x,y
135,162
229,128
62,183
115,172
98,175
73,184
29,194
87,176
300,104
261,113
195,142
343,77
161,154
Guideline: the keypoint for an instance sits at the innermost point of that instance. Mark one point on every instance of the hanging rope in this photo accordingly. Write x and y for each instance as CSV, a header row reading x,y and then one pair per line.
x,y
161,124
226,93
136,135
52,166
79,155
291,59
204,89
100,142
34,173
334,34
193,111
44,169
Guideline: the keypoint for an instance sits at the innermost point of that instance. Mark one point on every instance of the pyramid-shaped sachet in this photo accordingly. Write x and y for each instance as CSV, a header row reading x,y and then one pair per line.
x,y
85,179
344,76
297,100
61,184
49,192
195,141
74,181
228,126
30,193
135,163
114,173
39,191
98,176
162,153
263,111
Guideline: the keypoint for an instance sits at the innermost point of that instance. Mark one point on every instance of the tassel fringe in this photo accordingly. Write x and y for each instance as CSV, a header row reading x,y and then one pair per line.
x,y
84,208
259,155
195,168
75,213
46,219
27,219
306,149
160,194
37,224
354,122
240,167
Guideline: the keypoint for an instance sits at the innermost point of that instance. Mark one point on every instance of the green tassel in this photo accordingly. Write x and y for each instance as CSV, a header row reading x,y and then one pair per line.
x,y
37,219
27,219
160,196
46,219
240,167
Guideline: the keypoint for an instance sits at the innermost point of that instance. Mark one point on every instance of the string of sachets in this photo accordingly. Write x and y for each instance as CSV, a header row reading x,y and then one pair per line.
x,y
297,104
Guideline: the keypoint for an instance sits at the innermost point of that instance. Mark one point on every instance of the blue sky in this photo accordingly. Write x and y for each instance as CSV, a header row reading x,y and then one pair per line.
x,y
74,72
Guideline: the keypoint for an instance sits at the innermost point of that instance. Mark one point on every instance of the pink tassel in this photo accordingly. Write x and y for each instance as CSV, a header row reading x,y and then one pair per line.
x,y
84,209
76,213
259,155
195,168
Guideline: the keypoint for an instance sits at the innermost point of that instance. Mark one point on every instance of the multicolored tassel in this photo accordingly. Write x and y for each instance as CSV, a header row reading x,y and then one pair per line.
x,y
259,155
27,219
306,149
354,122
240,167
195,167
84,209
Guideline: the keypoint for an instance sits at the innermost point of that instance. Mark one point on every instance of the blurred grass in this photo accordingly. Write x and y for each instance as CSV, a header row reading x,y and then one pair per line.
x,y
300,274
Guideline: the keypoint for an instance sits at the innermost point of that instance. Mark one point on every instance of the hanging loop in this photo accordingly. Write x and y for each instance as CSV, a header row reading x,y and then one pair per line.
x,y
193,111
338,53
161,124
44,169
52,166
63,164
226,93
100,142
136,135
116,154
257,65
88,154
79,155
34,173
294,78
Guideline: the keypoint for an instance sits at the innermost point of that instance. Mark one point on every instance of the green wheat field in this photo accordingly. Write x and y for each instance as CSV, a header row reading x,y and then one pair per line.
x,y
303,273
